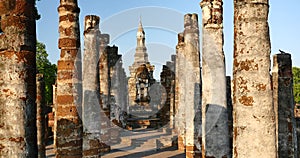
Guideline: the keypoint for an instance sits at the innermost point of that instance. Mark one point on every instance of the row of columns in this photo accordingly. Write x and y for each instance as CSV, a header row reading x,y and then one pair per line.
x,y
261,121
101,69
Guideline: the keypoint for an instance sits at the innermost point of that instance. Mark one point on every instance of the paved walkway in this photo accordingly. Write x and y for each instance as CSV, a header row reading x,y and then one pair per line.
x,y
140,144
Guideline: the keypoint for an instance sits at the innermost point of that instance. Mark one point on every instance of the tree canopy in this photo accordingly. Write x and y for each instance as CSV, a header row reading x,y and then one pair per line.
x,y
45,67
296,78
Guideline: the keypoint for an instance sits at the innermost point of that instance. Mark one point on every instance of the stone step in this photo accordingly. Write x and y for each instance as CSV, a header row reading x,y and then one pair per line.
x,y
146,146
145,140
165,142
137,142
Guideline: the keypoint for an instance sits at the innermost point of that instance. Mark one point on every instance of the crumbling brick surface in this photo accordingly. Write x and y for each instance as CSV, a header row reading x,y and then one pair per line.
x,y
253,112
167,78
188,86
40,118
215,136
192,80
18,87
90,86
68,124
282,81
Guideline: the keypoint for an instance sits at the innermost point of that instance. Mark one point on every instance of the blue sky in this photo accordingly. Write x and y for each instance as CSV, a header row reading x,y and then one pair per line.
x,y
162,20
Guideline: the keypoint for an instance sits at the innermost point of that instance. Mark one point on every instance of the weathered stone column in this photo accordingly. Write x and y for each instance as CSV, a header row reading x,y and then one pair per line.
x,y
229,109
108,59
284,105
119,84
105,93
166,78
40,115
192,84
172,94
17,79
215,136
90,87
297,120
113,59
68,132
180,91
253,111
103,70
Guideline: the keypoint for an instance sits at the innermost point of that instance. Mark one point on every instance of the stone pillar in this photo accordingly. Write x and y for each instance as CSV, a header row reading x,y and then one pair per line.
x,y
167,77
192,84
52,119
68,132
284,105
104,92
119,84
180,91
113,59
253,111
103,70
108,60
172,93
215,136
297,120
18,133
90,88
40,115
229,109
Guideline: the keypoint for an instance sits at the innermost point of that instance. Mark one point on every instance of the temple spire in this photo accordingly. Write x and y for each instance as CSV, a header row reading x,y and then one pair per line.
x,y
140,34
140,25
141,56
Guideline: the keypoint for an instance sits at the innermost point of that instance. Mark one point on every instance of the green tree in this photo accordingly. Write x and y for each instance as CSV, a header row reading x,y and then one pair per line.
x,y
45,67
296,78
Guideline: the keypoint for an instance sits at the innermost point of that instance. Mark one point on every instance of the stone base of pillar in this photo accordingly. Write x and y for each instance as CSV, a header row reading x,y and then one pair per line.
x,y
192,152
104,148
91,147
181,145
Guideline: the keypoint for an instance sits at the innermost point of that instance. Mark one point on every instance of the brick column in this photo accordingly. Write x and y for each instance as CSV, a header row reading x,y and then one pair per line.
x,y
68,132
192,84
297,120
113,59
180,91
284,105
229,109
103,70
40,118
215,136
253,111
18,133
104,93
172,94
90,87
166,78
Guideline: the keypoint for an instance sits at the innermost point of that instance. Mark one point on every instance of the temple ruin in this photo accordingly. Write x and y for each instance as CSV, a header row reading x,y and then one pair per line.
x,y
139,83
193,109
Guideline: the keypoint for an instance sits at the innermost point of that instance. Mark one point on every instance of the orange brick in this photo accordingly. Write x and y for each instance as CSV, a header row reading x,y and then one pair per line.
x,y
191,148
65,99
66,111
65,65
70,53
64,75
68,42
